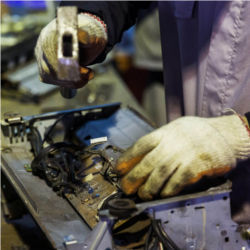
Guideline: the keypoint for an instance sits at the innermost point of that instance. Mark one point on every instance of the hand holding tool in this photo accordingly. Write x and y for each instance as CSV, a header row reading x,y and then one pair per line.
x,y
66,45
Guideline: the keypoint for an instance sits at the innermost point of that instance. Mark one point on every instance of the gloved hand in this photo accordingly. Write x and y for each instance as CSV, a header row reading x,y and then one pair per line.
x,y
92,36
182,152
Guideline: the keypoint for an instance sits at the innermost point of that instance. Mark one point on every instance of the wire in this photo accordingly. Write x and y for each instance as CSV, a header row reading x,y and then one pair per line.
x,y
62,164
47,134
148,240
162,235
35,140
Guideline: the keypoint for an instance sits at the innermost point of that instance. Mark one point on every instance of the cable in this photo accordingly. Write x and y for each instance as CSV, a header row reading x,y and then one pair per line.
x,y
162,235
35,140
47,134
148,240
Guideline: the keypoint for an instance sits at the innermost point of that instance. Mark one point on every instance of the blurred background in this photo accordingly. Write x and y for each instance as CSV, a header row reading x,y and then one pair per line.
x,y
131,74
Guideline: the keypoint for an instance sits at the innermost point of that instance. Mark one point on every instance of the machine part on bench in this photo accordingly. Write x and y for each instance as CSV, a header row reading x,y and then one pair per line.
x,y
194,221
56,216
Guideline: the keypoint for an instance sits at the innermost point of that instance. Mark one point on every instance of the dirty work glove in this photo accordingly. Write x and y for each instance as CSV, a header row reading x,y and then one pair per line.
x,y
92,36
179,154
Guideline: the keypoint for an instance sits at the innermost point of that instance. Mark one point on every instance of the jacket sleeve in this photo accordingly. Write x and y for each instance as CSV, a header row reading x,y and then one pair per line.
x,y
118,16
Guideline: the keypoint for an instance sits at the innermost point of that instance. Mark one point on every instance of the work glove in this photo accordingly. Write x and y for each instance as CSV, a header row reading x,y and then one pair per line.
x,y
92,36
180,153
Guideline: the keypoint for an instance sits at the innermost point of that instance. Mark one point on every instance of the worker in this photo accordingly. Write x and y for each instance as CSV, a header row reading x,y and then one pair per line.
x,y
206,49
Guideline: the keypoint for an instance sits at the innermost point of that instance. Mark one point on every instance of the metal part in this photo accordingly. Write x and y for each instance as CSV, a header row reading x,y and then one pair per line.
x,y
67,92
12,118
121,208
15,119
55,215
67,53
196,221
28,121
15,131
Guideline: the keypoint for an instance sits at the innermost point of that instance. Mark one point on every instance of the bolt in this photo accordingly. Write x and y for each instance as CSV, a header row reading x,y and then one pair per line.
x,y
223,232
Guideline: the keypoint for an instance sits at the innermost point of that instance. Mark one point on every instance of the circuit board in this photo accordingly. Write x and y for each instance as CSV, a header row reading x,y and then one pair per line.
x,y
97,189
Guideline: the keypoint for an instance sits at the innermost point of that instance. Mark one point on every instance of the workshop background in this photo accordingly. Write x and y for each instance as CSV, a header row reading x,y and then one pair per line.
x,y
131,74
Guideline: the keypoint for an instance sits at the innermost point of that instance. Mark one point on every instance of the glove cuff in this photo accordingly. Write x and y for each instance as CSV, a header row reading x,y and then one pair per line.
x,y
93,25
246,119
235,134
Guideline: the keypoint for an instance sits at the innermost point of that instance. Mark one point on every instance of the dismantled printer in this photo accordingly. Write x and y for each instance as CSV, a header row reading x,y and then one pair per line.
x,y
62,166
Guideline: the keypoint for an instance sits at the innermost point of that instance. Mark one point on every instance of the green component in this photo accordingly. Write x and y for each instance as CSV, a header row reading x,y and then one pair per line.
x,y
28,167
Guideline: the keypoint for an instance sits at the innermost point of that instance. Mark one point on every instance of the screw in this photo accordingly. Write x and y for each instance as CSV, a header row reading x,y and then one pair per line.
x,y
223,232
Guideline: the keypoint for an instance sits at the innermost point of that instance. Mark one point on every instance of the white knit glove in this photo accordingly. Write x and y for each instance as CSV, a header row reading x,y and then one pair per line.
x,y
92,36
181,153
